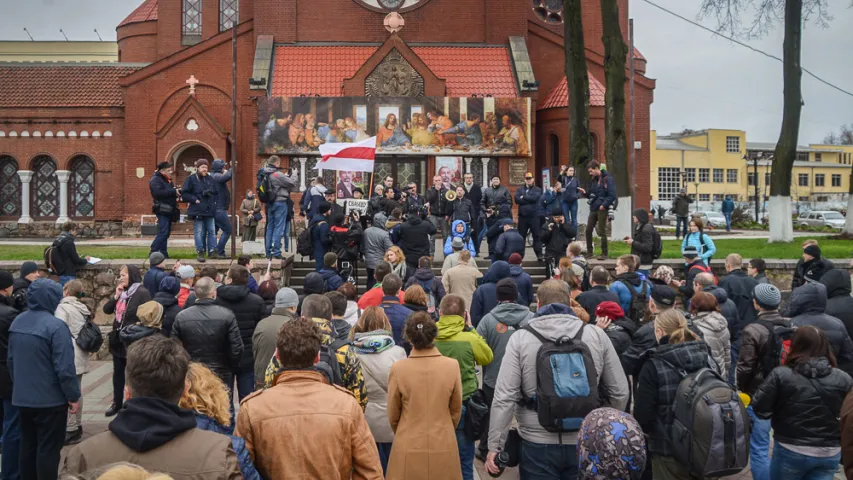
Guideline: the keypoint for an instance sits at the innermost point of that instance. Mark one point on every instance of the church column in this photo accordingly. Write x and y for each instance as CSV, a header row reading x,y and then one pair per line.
x,y
485,172
468,164
63,176
302,186
26,177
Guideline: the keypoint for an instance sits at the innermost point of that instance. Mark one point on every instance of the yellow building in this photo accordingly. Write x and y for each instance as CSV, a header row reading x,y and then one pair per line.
x,y
56,51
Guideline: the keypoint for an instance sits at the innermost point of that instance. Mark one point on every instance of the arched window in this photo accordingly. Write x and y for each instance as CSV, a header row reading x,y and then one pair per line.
x,y
554,145
45,188
10,188
81,188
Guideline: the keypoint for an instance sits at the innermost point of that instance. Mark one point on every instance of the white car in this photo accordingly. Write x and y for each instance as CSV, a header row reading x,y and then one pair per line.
x,y
817,218
715,219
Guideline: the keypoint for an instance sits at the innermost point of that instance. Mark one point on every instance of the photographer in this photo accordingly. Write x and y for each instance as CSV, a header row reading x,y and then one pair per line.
x,y
165,197
496,218
569,201
346,234
200,192
557,235
411,201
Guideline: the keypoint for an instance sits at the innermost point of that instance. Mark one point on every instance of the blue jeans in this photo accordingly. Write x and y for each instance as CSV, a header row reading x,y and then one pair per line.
x,y
728,216
11,442
679,221
276,215
161,241
63,279
788,465
735,348
570,212
245,381
286,238
318,261
759,447
384,455
204,231
548,462
466,449
222,222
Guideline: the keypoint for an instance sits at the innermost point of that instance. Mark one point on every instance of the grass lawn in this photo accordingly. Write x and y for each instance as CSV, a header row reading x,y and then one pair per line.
x,y
747,247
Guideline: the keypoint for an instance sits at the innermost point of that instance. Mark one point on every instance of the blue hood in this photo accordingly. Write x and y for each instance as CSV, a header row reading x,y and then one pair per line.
x,y
555,309
217,166
515,270
497,272
44,295
453,231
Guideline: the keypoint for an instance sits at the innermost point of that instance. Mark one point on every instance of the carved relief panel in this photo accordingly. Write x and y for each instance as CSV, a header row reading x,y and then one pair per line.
x,y
394,77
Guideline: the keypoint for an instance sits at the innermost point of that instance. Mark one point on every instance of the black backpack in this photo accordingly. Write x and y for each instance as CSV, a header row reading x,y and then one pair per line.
x,y
778,346
566,383
304,242
639,311
89,339
264,189
329,360
657,243
585,286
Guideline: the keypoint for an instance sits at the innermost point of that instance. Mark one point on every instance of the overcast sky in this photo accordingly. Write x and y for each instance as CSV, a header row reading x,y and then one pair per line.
x,y
703,81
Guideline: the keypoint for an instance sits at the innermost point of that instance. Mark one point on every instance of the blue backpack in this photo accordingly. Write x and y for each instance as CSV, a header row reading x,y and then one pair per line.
x,y
566,383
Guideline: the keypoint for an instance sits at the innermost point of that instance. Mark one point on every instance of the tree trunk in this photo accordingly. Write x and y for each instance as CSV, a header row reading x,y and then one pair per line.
x,y
848,226
577,80
781,224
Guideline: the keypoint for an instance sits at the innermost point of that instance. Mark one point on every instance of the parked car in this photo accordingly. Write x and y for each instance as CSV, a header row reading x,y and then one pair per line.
x,y
715,219
818,218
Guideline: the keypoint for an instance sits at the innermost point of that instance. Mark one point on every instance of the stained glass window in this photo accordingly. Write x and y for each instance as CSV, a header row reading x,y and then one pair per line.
x,y
191,21
81,187
45,188
228,14
550,11
10,187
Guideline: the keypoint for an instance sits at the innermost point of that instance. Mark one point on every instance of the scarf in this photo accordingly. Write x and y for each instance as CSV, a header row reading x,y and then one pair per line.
x,y
121,306
376,341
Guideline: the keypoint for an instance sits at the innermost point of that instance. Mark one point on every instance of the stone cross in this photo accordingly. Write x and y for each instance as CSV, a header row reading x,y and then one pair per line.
x,y
192,82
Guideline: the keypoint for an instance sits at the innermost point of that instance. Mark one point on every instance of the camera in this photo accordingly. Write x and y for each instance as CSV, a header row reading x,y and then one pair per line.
x,y
208,193
591,198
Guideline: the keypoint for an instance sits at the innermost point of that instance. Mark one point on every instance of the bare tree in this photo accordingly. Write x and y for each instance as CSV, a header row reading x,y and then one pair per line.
x,y
843,137
577,78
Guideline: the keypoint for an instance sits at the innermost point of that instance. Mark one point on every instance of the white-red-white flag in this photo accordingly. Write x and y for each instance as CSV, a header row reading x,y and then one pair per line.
x,y
355,157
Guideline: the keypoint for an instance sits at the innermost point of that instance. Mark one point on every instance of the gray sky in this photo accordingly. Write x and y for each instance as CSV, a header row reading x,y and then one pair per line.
x,y
703,81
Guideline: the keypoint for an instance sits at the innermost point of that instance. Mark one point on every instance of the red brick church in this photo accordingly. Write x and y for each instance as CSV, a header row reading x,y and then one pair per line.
x,y
81,141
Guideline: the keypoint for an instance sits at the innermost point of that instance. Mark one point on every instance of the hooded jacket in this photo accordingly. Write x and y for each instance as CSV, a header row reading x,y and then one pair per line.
x,y
375,242
7,316
249,309
74,313
321,240
152,278
840,303
158,436
524,283
621,290
485,297
41,355
728,205
807,307
716,334
465,236
171,309
644,239
429,282
518,377
496,328
210,335
509,242
496,196
556,238
753,349
455,340
729,311
281,183
376,366
332,279
223,195
316,197
739,286
801,414
68,260
813,269
415,236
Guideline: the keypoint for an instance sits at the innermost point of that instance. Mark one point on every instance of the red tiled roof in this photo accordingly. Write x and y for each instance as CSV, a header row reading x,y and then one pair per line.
x,y
559,95
320,70
143,13
638,55
62,86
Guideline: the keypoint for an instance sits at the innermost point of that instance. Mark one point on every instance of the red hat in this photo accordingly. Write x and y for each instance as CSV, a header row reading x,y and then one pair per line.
x,y
515,259
611,310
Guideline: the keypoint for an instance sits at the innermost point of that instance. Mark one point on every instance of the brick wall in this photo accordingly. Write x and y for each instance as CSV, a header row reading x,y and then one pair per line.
x,y
137,42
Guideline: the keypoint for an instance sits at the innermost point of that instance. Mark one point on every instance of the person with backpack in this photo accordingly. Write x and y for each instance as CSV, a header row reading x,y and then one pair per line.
x,y
165,207
75,314
700,240
330,274
634,293
620,329
274,187
496,328
319,233
392,305
28,274
803,400
764,346
549,450
61,257
715,332
431,284
646,243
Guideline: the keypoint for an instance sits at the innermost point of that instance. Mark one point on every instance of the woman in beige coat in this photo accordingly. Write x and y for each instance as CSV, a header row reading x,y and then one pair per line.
x,y
424,408
74,313
249,208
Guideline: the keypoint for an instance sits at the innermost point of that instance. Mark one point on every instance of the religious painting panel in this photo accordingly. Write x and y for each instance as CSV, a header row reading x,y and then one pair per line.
x,y
475,127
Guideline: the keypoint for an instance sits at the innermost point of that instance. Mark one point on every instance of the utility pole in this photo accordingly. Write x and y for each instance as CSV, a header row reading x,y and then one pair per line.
x,y
233,140
633,135
755,174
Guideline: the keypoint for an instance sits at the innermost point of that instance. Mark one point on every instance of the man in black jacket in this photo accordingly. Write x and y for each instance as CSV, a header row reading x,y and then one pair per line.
x,y
839,303
681,209
530,212
12,431
509,242
416,240
474,193
590,299
29,274
210,333
165,196
601,195
643,243
65,259
557,236
439,211
496,218
740,287
815,268
694,266
249,309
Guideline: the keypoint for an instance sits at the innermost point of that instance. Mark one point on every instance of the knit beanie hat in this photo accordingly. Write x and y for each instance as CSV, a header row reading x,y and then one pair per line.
x,y
6,280
28,268
506,290
515,259
202,161
169,285
663,295
767,296
286,297
611,310
690,252
156,258
150,314
610,446
665,274
812,250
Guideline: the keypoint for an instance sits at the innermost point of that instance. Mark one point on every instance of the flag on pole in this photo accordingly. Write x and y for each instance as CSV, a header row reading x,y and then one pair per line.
x,y
355,157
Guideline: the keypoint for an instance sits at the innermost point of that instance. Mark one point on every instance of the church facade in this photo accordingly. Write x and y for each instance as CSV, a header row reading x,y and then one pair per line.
x,y
472,85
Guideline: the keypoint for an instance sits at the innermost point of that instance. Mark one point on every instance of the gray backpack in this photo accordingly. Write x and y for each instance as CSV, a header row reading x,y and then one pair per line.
x,y
710,427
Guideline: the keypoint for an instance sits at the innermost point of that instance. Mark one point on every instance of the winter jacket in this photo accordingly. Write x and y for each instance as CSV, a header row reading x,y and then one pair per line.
x,y
813,270
249,309
570,188
527,199
754,347
495,226
223,196
496,196
281,183
201,189
465,236
171,309
321,240
840,303
703,243
620,332
376,366
247,468
75,314
332,278
163,190
485,297
761,278
373,297
644,239
264,341
413,204
397,315
139,297
452,259
7,316
698,266
807,306
248,208
136,332
375,242
642,342
657,384
463,209
316,196
739,286
524,284
210,335
152,278
847,435
438,204
158,436
728,205
19,293
729,311
346,241
352,376
67,261
415,236
474,193
804,403
455,340
601,192
429,282
626,297
508,243
496,328
591,298
550,200
556,238
41,355
462,280
518,377
681,205
716,334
